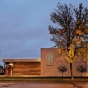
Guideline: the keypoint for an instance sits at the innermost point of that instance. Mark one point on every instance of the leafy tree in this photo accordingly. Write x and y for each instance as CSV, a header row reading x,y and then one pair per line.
x,y
1,70
62,69
71,33
81,69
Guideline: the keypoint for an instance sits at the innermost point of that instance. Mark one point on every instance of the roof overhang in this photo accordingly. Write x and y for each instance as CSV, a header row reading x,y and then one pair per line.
x,y
21,60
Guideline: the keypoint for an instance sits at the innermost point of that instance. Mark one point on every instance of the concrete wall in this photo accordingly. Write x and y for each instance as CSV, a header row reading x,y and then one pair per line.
x,y
52,70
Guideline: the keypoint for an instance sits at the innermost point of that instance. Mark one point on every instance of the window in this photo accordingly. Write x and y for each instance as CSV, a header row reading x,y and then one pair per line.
x,y
49,59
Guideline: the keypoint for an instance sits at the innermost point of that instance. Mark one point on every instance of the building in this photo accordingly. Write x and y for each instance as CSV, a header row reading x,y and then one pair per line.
x,y
50,61
22,66
46,66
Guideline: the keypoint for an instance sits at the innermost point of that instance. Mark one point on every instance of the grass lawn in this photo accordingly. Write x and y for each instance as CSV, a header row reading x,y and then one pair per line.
x,y
41,79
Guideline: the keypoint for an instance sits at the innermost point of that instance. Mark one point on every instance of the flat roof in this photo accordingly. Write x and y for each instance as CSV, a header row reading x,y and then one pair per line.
x,y
21,60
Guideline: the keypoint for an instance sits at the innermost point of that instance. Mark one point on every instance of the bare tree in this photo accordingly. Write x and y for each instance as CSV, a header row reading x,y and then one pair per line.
x,y
81,69
62,69
71,32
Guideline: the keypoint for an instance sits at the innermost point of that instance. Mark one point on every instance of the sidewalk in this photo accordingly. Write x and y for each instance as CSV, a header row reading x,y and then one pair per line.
x,y
42,85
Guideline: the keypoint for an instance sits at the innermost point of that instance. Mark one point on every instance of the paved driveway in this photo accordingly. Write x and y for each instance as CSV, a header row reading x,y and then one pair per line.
x,y
43,85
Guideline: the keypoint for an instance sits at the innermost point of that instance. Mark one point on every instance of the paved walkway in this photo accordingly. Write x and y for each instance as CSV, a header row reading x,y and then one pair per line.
x,y
43,85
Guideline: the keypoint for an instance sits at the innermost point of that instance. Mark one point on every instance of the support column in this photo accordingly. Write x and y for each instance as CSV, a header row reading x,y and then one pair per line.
x,y
6,69
10,70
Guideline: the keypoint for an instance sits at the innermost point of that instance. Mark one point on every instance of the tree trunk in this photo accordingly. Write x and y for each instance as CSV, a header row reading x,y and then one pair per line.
x,y
71,71
81,74
62,74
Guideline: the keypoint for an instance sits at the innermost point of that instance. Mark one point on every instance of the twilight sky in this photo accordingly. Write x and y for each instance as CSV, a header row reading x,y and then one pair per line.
x,y
24,26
